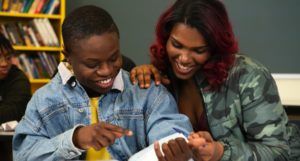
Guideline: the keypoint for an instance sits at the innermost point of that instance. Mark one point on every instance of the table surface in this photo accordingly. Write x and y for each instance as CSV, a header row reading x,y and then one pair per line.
x,y
6,136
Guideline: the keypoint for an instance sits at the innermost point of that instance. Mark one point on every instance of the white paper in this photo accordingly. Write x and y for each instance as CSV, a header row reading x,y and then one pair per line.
x,y
9,126
148,154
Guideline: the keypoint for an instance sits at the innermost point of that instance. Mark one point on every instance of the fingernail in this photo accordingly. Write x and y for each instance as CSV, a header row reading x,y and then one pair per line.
x,y
155,145
129,133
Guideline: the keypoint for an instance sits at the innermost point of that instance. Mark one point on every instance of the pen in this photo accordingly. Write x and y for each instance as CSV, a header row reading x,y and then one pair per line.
x,y
185,133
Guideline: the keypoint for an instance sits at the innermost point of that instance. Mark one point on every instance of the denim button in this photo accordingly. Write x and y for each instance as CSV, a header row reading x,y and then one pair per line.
x,y
80,110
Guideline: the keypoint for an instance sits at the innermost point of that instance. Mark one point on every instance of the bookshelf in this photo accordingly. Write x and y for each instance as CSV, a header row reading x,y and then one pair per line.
x,y
47,50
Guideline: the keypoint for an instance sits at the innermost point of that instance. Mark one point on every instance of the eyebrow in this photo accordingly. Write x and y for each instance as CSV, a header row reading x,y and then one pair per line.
x,y
112,55
193,48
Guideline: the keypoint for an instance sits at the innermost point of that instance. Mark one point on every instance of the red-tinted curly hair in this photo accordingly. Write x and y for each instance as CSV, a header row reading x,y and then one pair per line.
x,y
210,18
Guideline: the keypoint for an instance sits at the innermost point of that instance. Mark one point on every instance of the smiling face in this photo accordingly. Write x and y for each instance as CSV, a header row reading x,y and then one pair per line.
x,y
187,51
96,61
5,65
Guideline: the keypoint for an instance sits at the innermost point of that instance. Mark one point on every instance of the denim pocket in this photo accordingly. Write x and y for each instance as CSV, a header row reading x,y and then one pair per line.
x,y
55,119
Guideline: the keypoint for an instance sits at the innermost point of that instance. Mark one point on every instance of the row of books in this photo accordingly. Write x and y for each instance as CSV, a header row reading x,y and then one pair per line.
x,y
40,65
30,6
38,32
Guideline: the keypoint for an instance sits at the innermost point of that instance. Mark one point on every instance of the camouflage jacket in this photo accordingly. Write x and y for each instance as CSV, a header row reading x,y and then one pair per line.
x,y
246,114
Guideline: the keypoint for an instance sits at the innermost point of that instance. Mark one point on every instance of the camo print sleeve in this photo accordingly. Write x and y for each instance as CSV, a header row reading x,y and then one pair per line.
x,y
263,119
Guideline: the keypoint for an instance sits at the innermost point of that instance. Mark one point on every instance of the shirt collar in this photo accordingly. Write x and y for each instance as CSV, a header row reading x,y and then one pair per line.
x,y
66,74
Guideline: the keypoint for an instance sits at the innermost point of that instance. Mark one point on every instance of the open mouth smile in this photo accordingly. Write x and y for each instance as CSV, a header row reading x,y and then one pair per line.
x,y
106,83
183,69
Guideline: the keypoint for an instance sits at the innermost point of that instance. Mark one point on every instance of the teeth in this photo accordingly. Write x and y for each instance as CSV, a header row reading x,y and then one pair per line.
x,y
105,81
183,67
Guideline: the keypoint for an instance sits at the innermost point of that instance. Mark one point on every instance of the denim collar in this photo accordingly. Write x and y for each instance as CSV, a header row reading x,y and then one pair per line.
x,y
66,74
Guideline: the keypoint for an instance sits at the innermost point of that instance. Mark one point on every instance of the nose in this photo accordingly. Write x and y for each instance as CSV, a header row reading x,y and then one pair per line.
x,y
3,63
185,57
105,69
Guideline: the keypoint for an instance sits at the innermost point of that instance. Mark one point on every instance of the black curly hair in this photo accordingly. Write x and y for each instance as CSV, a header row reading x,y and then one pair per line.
x,y
85,22
6,48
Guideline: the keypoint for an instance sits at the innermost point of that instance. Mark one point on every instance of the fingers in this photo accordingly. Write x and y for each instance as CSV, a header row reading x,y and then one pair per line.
x,y
203,134
158,153
174,150
140,77
99,138
206,136
133,73
197,142
175,147
156,74
105,134
204,147
117,130
168,152
184,147
97,145
142,74
147,77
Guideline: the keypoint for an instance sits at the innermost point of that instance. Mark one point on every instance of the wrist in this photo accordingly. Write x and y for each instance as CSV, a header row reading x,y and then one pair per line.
x,y
76,137
219,151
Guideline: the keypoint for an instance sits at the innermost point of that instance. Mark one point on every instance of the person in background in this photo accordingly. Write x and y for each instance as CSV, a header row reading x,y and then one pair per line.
x,y
90,106
14,92
232,100
14,85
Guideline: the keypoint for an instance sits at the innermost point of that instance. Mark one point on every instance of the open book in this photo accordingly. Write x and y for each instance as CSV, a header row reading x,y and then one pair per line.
x,y
148,154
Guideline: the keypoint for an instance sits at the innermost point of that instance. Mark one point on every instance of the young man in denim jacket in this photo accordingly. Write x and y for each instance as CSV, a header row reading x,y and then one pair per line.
x,y
56,125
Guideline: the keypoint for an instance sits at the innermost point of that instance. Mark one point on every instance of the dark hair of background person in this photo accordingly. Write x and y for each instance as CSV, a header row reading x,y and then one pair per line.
x,y
75,28
5,46
210,18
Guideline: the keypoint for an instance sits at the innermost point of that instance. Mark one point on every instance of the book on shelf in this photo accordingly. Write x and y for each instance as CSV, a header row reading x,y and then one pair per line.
x,y
37,32
36,66
30,6
23,31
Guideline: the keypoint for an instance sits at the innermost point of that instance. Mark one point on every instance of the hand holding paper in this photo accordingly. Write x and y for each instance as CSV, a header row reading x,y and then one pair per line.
x,y
204,147
148,154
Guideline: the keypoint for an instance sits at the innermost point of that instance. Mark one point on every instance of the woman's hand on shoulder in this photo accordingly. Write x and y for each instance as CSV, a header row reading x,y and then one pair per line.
x,y
142,74
204,147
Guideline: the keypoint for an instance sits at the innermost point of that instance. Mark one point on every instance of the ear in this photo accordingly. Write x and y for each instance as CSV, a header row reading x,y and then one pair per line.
x,y
66,54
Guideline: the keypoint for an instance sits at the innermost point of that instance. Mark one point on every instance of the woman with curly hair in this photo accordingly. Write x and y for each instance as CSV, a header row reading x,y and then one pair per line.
x,y
231,100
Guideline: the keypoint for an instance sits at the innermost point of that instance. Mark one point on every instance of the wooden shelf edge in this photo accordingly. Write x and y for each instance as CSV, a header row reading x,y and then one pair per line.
x,y
39,80
28,15
33,48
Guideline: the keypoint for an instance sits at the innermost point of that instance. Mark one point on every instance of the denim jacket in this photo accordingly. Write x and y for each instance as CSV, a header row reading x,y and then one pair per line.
x,y
55,110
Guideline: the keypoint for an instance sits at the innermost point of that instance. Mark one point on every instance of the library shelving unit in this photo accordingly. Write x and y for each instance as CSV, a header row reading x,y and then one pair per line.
x,y
55,19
